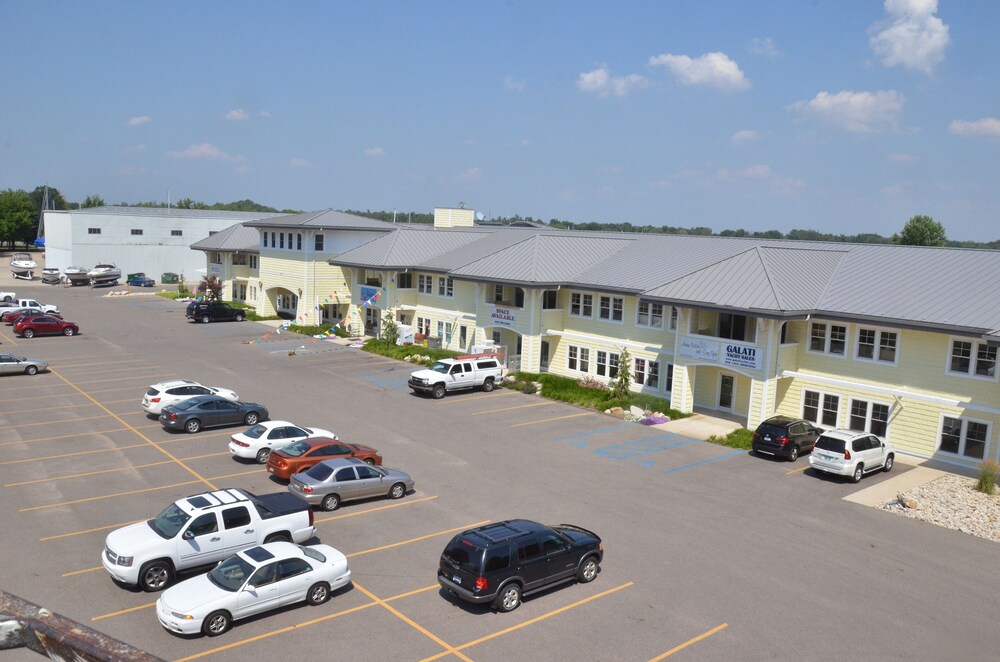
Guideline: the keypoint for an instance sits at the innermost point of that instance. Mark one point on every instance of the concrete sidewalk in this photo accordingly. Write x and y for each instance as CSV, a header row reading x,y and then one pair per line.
x,y
922,473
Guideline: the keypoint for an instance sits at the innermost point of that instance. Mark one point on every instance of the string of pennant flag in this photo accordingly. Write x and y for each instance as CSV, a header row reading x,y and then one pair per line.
x,y
333,298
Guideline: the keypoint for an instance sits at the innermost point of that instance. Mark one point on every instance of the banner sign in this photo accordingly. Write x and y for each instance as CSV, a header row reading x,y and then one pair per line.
x,y
369,295
503,316
722,351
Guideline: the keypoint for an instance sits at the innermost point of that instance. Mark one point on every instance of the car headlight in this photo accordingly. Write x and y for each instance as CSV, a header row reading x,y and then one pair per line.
x,y
424,381
185,617
125,561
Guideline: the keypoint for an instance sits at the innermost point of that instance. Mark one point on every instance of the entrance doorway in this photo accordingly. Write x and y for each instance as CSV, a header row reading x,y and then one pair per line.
x,y
726,388
543,363
372,321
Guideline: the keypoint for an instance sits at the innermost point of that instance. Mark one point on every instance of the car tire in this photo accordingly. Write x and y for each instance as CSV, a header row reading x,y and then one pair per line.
x,y
509,598
31,370
277,537
251,418
318,593
887,467
793,454
216,623
262,455
588,570
69,331
7,299
370,462
28,333
859,472
155,576
238,317
397,491
193,425
330,502
488,385
438,392
205,319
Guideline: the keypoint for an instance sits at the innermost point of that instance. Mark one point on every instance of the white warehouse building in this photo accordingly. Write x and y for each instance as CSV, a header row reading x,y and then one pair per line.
x,y
152,240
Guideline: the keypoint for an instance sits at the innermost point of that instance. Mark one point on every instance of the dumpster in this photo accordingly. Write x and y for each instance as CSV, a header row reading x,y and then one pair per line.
x,y
169,278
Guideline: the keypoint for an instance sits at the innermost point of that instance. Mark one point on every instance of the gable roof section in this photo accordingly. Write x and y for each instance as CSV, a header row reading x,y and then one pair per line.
x,y
327,218
407,248
234,238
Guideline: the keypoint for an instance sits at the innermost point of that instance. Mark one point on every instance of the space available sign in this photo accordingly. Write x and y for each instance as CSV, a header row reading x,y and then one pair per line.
x,y
503,316
723,352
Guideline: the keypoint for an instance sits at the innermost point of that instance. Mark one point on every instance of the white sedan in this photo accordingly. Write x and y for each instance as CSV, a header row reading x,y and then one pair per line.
x,y
160,395
257,442
255,580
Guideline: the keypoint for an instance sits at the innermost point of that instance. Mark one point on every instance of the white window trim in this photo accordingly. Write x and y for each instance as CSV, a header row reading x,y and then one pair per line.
x,y
663,308
645,372
444,284
580,314
607,363
868,415
611,309
820,410
579,359
879,330
987,451
972,360
828,338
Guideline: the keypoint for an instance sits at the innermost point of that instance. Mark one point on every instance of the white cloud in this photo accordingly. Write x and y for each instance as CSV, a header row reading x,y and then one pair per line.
x,y
140,120
603,84
858,112
713,69
513,84
902,158
135,149
238,114
744,136
910,35
764,47
374,152
206,151
299,162
471,175
265,114
988,126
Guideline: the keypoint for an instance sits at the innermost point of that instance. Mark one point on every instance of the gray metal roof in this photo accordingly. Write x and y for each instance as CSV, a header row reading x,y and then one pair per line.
x,y
172,212
408,248
327,218
235,238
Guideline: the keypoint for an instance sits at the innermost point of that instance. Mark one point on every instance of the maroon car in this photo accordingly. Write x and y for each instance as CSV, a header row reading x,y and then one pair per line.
x,y
8,316
45,325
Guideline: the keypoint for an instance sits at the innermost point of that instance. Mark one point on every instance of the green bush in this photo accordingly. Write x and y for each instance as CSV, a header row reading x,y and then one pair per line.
x,y
988,470
402,351
315,330
739,438
567,389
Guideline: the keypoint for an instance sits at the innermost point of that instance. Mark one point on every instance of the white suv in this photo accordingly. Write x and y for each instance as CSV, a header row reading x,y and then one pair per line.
x,y
851,453
159,396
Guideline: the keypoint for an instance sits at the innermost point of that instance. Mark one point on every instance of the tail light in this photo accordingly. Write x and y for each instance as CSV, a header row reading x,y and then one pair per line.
x,y
783,440
240,443
847,454
173,416
482,584
307,489
312,517
155,400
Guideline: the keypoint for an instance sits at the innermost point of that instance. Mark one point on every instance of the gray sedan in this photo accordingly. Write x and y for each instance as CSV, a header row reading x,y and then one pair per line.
x,y
16,365
208,411
345,479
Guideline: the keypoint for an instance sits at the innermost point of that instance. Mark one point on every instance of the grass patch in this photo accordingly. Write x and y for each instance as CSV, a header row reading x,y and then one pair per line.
x,y
400,352
567,389
988,470
169,295
739,438
314,330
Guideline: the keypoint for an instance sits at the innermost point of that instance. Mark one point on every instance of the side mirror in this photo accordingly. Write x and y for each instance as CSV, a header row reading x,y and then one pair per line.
x,y
188,535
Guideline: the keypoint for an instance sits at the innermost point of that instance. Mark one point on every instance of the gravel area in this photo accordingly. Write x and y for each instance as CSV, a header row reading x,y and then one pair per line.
x,y
953,502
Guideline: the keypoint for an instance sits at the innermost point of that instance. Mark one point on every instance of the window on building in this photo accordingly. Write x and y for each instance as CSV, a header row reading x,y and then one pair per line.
x,y
518,297
877,345
828,338
176,233
669,385
253,261
973,358
298,242
318,243
869,417
93,230
215,257
136,232
578,358
607,364
446,286
424,326
239,259
611,309
581,305
424,283
650,314
440,329
281,240
733,326
498,294
447,333
647,373
673,318
463,335
372,278
404,281
550,300
965,437
820,408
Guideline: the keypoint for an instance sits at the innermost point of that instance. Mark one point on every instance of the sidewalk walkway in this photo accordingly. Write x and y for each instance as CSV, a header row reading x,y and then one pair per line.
x,y
922,473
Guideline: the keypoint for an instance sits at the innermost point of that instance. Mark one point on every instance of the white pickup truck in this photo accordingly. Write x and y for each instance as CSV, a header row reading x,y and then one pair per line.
x,y
31,303
201,530
7,296
457,373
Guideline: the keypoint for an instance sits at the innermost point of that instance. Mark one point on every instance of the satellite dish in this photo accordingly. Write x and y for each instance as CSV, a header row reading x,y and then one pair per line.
x,y
480,216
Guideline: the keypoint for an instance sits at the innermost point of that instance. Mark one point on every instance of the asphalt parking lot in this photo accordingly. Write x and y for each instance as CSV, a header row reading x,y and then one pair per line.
x,y
710,553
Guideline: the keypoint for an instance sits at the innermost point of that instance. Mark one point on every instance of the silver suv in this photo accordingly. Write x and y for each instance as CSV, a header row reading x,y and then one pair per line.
x,y
851,453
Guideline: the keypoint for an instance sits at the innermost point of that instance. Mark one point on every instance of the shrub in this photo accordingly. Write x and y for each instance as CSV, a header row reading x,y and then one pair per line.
x,y
592,382
988,470
402,351
622,385
738,438
529,388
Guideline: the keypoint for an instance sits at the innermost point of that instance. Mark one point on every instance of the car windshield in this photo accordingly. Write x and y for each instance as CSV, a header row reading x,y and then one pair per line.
x,y
255,432
169,522
313,554
320,472
297,449
461,553
771,429
231,573
831,444
443,368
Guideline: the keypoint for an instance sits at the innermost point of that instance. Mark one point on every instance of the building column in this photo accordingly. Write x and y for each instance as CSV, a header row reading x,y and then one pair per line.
x,y
682,388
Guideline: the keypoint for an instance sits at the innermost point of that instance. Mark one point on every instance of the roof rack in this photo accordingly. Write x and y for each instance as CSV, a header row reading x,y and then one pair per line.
x,y
466,357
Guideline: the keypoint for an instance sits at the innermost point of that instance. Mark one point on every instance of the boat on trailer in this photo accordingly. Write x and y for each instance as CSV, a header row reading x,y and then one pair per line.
x,y
51,275
104,274
77,275
22,266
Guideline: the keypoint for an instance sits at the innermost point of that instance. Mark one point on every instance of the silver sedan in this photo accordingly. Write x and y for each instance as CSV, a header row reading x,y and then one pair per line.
x,y
16,365
330,482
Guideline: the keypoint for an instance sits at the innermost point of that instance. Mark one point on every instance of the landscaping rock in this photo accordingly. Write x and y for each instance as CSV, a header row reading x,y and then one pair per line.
x,y
617,412
905,501
637,412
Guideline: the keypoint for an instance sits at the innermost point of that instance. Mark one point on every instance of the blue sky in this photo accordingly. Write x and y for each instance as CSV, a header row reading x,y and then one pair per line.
x,y
838,116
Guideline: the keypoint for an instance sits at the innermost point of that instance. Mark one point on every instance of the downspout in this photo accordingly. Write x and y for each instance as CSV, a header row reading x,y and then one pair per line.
x,y
767,370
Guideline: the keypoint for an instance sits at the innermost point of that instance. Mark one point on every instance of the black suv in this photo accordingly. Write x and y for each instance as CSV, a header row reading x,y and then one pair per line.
x,y
785,437
213,311
500,562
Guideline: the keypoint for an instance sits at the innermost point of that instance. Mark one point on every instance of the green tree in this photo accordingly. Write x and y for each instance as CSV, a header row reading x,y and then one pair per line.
x,y
921,231
212,287
621,387
17,217
92,201
390,331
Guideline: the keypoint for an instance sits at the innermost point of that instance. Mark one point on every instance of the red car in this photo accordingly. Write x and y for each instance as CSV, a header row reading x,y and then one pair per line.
x,y
308,452
41,325
10,316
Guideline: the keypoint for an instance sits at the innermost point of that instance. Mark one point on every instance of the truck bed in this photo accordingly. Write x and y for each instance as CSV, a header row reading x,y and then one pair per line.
x,y
276,504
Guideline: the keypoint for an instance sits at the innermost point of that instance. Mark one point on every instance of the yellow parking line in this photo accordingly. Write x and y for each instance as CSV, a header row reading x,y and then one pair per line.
x,y
494,394
35,397
80,533
687,643
62,436
557,418
123,388
494,411
90,373
142,491
9,338
533,620
64,366
372,510
49,408
795,471
80,572
407,542
68,420
124,611
115,379
108,471
90,357
449,649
